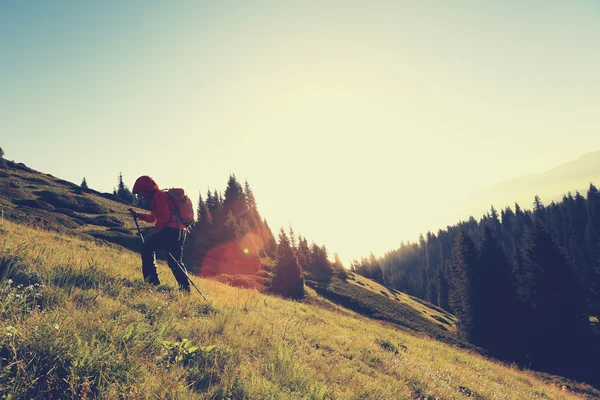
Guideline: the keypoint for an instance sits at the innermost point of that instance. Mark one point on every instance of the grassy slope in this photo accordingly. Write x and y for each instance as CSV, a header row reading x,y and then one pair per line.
x,y
26,196
435,315
19,183
100,332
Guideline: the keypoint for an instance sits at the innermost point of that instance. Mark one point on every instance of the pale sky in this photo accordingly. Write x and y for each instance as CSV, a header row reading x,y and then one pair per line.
x,y
360,123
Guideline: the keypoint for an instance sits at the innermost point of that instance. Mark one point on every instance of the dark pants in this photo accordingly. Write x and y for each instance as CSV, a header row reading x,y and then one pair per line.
x,y
171,240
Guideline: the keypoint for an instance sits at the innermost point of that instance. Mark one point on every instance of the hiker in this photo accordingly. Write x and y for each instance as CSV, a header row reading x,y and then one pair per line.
x,y
169,232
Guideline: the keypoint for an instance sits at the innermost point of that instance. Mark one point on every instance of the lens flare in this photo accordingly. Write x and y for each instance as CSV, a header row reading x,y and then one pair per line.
x,y
246,251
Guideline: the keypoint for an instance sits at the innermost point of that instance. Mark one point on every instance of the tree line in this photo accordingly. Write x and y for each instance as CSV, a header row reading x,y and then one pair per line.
x,y
231,237
524,284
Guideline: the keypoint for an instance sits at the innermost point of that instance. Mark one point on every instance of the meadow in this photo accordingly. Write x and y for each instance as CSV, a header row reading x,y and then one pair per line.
x,y
77,321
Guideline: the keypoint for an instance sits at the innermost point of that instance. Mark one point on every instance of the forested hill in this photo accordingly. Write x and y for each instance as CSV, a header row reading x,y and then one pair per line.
x,y
525,284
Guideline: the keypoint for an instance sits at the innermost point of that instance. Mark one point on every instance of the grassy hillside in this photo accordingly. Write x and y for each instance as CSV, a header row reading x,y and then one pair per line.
x,y
42,200
78,322
373,300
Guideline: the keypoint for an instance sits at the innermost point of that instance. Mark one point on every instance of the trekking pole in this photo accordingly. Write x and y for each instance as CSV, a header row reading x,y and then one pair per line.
x,y
186,275
136,225
171,255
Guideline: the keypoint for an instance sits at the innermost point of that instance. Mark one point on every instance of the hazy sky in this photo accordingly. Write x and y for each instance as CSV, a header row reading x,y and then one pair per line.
x,y
360,123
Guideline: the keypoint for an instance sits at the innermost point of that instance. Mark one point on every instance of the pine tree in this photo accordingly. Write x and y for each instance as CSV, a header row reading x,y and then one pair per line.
x,y
319,268
204,215
594,288
235,199
338,267
123,191
211,202
271,247
303,253
495,306
443,287
539,211
432,261
254,217
84,183
2,163
287,279
552,300
232,228
374,267
462,265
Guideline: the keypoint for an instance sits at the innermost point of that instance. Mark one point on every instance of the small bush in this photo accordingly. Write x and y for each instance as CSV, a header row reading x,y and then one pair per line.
x,y
204,364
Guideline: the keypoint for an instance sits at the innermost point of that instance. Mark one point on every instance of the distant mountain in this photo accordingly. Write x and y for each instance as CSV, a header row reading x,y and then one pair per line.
x,y
550,185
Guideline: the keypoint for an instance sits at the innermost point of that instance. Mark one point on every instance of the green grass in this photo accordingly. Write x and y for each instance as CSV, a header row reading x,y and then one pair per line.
x,y
444,320
370,303
40,200
78,322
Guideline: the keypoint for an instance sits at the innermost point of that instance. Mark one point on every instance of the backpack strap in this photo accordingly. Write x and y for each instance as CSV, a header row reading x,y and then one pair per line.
x,y
176,213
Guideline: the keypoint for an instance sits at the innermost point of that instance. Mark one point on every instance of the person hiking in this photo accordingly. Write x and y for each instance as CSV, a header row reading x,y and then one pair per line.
x,y
169,233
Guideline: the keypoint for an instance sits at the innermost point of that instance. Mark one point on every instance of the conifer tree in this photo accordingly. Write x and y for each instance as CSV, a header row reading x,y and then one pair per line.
x,y
443,287
123,191
271,247
287,279
211,202
204,215
84,183
319,268
235,199
495,306
254,217
338,267
232,228
374,267
303,253
2,163
552,301
462,265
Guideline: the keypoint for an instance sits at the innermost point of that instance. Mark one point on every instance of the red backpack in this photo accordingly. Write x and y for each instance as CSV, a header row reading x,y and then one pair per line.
x,y
183,205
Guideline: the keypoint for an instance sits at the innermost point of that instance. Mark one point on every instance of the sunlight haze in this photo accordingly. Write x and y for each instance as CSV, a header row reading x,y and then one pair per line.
x,y
361,124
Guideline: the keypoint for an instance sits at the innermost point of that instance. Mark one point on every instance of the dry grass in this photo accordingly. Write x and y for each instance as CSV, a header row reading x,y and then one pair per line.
x,y
115,337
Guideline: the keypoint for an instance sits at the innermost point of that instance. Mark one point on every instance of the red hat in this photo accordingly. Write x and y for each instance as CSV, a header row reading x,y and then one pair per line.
x,y
144,183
